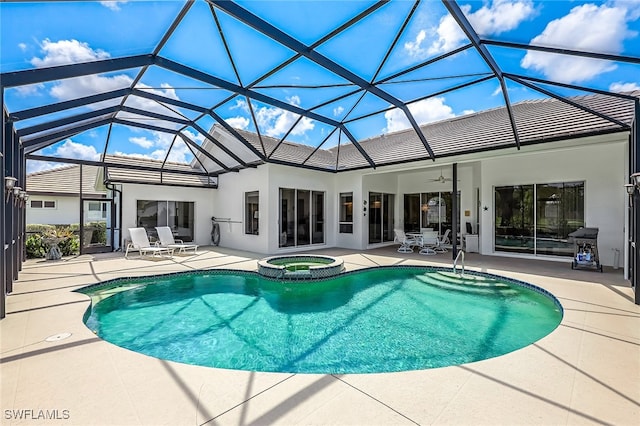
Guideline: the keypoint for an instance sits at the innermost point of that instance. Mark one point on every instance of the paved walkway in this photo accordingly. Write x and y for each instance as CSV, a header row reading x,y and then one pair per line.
x,y
586,372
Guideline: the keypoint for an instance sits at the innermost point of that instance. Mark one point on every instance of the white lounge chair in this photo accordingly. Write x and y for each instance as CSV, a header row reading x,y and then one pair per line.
x,y
442,241
428,243
406,243
165,235
140,242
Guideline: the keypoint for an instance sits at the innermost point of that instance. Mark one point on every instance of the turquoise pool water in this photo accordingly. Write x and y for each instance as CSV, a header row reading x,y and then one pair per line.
x,y
376,320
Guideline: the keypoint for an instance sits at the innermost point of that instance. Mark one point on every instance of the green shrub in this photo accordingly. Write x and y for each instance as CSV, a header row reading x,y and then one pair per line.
x,y
99,232
35,246
41,229
70,245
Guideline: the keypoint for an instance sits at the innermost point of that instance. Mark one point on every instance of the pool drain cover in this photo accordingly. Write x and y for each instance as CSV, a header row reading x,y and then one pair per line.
x,y
57,337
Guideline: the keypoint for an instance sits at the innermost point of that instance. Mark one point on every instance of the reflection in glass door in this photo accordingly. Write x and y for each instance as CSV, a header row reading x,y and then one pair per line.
x,y
301,217
96,226
537,219
381,217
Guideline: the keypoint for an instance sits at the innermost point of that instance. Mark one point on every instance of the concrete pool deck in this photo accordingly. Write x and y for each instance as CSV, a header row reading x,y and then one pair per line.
x,y
586,372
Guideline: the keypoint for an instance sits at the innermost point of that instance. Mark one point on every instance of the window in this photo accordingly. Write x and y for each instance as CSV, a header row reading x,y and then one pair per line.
x,y
43,204
346,213
537,219
177,215
96,210
251,212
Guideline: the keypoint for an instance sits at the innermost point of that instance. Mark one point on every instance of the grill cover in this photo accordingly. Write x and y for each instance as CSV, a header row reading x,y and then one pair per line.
x,y
585,233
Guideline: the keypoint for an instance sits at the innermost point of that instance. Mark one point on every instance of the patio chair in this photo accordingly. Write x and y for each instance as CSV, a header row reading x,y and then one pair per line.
x,y
406,243
165,235
428,243
442,241
140,242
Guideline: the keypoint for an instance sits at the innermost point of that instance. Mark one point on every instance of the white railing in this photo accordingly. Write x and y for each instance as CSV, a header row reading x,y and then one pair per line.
x,y
455,262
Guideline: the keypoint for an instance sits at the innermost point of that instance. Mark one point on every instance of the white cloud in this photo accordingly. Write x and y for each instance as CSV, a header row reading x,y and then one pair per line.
x,y
22,46
492,18
34,166
66,52
501,16
160,143
29,89
71,149
74,51
73,88
238,122
587,27
142,142
624,87
274,121
337,111
424,111
113,4
134,155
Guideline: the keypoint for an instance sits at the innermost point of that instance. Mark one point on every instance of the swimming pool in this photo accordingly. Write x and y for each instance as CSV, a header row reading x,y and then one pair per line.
x,y
375,320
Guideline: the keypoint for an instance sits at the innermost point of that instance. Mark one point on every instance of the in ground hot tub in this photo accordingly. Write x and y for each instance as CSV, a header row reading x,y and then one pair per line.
x,y
300,266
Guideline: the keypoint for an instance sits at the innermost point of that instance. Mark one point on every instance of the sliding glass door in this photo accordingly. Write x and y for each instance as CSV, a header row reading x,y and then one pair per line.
x,y
301,217
537,219
381,217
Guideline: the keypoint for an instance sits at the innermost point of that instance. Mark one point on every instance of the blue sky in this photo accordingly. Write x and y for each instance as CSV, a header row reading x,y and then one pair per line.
x,y
41,34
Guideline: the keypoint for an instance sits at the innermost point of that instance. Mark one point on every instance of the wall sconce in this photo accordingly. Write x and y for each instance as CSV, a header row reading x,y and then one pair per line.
x,y
635,179
630,187
9,184
16,194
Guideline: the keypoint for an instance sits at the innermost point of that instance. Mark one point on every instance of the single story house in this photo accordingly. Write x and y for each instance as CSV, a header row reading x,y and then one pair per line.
x,y
569,172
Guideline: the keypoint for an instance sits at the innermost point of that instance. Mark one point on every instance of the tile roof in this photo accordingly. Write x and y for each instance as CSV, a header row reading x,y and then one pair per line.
x,y
161,176
537,121
65,181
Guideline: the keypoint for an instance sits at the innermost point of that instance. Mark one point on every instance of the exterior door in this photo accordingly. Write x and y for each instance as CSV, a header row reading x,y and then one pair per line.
x,y
381,217
96,226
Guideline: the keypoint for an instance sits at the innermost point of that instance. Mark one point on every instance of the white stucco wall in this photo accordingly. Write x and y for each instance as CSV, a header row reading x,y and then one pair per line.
x,y
228,203
67,211
599,162
201,197
350,182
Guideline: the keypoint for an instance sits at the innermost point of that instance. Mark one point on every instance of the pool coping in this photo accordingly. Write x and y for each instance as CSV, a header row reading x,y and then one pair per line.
x,y
112,283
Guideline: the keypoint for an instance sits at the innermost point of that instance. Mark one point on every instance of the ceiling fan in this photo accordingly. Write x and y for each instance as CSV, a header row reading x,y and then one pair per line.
x,y
441,178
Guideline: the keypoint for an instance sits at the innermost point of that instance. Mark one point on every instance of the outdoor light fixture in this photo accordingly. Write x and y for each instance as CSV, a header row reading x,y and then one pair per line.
x,y
630,187
635,178
9,183
16,194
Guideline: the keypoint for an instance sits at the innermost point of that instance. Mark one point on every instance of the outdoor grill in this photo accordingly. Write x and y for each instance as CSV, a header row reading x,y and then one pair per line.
x,y
585,254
